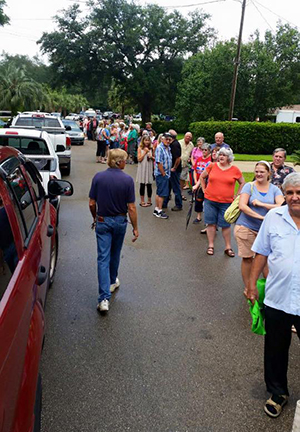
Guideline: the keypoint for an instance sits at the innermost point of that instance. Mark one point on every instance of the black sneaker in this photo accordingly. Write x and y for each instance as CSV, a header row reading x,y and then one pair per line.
x,y
155,213
197,221
162,215
176,208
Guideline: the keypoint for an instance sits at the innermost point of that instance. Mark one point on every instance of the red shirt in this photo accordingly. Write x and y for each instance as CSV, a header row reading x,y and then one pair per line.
x,y
221,183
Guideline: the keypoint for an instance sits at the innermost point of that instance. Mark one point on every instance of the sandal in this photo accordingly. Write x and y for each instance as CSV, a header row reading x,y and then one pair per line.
x,y
210,250
148,204
183,198
229,252
274,405
142,204
185,187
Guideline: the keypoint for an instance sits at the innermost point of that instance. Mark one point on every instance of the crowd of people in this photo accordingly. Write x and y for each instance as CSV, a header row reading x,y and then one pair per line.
x,y
266,231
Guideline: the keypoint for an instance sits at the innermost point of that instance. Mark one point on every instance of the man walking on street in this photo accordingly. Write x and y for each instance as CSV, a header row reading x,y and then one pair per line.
x,y
174,183
278,244
162,172
111,197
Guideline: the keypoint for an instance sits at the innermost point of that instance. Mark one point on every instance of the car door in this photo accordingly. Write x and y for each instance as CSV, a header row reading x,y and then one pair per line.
x,y
21,315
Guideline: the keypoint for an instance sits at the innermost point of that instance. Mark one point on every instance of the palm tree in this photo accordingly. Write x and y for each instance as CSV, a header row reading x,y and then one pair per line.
x,y
18,91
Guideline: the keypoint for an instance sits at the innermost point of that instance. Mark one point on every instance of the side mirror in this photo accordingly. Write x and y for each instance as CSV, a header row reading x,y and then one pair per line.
x,y
68,128
60,187
60,148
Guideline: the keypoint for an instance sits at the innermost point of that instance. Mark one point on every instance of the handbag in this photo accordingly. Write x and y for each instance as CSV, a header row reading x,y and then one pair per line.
x,y
232,213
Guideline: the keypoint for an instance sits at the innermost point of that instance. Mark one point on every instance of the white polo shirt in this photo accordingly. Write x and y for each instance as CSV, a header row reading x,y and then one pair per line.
x,y
279,240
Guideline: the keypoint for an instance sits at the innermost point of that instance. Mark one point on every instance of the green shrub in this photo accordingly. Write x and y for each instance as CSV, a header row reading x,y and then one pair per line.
x,y
251,138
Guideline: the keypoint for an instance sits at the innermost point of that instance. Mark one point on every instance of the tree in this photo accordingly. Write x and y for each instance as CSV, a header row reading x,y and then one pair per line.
x,y
268,78
140,47
34,68
3,17
18,91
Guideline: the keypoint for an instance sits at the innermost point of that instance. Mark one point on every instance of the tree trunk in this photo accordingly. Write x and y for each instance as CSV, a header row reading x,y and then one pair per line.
x,y
146,113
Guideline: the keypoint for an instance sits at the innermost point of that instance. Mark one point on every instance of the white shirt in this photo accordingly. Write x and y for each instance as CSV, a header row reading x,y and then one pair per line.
x,y
279,240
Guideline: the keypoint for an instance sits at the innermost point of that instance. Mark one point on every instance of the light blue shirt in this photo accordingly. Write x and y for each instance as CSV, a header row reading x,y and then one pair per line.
x,y
269,198
279,240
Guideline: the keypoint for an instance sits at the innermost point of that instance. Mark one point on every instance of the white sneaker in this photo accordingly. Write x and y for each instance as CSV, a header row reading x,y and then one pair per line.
x,y
103,306
114,286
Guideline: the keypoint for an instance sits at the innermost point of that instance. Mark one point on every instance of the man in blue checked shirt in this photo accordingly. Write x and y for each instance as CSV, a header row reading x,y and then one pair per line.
x,y
162,172
278,244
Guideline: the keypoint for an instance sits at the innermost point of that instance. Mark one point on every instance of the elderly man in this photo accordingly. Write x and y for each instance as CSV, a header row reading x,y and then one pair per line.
x,y
175,172
278,244
186,151
111,197
219,141
162,172
278,170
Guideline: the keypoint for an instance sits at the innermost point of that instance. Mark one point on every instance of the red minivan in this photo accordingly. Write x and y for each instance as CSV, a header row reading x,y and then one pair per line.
x,y
28,255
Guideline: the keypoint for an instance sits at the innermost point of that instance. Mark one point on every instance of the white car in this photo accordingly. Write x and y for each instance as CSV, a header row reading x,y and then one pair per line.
x,y
36,146
72,116
56,130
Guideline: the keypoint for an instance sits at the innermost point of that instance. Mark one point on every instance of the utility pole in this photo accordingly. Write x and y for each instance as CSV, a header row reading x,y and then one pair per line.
x,y
237,63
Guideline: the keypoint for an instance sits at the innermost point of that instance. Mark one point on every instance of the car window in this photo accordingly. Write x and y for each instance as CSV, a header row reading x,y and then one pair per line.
x,y
38,122
35,183
28,146
23,198
74,126
8,253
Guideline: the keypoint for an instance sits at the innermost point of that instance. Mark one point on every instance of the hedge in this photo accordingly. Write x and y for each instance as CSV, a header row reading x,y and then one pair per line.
x,y
251,137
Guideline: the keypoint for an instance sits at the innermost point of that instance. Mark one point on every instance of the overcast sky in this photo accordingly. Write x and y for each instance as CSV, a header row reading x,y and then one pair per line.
x,y
29,19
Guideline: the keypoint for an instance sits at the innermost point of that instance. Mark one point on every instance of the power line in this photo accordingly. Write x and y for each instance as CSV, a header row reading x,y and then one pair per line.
x,y
279,16
18,35
252,1
192,5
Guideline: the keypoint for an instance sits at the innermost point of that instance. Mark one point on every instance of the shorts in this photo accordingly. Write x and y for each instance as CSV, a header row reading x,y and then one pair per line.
x,y
184,175
162,186
245,238
214,213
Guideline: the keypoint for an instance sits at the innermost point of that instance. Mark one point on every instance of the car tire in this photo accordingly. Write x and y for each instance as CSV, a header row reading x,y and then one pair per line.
x,y
53,260
38,406
67,170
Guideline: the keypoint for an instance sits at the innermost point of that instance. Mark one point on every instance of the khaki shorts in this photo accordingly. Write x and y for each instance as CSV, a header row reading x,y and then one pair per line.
x,y
245,238
185,174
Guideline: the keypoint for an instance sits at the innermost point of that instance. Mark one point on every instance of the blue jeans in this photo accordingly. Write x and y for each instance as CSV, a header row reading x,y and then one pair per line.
x,y
175,185
110,236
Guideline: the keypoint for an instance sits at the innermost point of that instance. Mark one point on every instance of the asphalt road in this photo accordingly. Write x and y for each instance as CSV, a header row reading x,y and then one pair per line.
x,y
174,354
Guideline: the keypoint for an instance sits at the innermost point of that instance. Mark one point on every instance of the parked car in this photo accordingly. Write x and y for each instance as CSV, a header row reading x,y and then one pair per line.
x,y
2,123
38,147
56,130
72,116
76,134
28,255
56,114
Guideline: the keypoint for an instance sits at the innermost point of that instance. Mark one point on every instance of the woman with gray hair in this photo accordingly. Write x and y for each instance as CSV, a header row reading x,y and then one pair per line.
x,y
218,195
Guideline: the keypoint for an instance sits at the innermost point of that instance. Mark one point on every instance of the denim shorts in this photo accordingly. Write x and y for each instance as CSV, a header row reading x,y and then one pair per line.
x,y
162,186
214,213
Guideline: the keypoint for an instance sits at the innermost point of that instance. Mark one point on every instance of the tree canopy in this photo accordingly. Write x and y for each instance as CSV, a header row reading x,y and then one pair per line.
x,y
4,19
268,78
141,48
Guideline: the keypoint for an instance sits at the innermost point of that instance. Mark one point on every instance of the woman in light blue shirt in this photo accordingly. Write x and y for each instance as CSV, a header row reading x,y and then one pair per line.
x,y
256,199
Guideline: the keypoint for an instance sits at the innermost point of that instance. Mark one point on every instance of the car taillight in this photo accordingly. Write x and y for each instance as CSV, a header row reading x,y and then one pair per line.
x,y
11,133
68,143
53,177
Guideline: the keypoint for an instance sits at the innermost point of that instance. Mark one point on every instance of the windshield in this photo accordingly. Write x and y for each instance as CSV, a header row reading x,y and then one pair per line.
x,y
27,146
73,125
38,122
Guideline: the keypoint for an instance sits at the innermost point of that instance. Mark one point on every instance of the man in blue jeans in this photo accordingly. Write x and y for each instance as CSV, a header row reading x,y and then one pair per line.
x,y
111,197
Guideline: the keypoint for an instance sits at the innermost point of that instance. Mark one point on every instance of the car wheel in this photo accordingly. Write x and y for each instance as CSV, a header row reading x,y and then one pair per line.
x,y
67,170
38,406
53,260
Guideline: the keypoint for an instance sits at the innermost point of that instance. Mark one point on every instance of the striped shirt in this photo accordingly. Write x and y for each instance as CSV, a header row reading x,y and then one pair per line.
x,y
163,155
